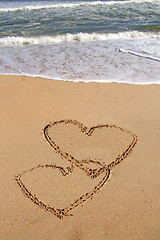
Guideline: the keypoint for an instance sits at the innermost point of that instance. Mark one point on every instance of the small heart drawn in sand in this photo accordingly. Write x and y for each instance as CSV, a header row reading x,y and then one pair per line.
x,y
91,152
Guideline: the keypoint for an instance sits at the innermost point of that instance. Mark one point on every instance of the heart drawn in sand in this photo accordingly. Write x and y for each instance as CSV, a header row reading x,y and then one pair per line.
x,y
91,154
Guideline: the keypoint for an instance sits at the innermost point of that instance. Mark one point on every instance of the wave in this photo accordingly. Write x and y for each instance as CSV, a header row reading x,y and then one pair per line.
x,y
79,37
71,5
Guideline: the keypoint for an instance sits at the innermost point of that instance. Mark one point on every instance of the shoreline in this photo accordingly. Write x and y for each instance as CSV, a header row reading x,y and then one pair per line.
x,y
77,81
126,206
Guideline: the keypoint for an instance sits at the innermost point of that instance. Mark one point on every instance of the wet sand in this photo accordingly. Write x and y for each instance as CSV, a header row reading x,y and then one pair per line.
x,y
105,173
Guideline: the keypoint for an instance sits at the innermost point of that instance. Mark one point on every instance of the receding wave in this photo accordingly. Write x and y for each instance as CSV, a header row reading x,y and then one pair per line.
x,y
79,37
71,5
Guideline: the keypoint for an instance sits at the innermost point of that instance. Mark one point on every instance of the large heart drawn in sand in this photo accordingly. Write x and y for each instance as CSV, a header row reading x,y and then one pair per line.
x,y
91,152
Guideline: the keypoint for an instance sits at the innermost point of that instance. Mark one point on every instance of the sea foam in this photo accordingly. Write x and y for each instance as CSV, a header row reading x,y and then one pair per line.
x,y
128,61
79,37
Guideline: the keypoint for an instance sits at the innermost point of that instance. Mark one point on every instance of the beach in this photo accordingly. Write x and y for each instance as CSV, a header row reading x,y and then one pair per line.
x,y
80,120
37,176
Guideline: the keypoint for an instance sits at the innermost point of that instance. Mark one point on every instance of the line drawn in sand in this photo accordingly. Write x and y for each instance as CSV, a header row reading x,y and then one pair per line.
x,y
76,162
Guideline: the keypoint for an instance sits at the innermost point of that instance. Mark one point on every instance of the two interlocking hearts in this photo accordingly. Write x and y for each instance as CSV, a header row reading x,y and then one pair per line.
x,y
90,152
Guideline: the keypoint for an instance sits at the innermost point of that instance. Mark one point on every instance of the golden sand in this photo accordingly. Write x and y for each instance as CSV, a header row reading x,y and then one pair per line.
x,y
79,160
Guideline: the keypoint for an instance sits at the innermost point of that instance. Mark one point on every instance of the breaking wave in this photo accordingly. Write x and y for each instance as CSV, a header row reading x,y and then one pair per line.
x,y
71,5
79,37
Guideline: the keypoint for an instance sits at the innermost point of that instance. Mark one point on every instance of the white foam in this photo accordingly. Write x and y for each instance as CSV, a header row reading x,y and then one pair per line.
x,y
139,54
79,37
27,7
87,62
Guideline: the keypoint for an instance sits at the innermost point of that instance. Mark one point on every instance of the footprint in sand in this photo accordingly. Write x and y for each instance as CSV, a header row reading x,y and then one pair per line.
x,y
91,154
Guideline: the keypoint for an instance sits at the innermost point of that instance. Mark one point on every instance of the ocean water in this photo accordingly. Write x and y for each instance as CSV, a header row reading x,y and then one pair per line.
x,y
111,41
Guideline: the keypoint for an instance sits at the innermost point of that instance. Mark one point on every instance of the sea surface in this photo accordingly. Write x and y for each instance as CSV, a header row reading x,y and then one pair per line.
x,y
102,41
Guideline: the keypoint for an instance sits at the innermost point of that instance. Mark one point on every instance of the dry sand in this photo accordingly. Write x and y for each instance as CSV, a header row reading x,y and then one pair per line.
x,y
45,166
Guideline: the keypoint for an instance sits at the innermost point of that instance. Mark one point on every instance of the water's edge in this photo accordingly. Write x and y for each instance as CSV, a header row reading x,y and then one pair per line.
x,y
81,81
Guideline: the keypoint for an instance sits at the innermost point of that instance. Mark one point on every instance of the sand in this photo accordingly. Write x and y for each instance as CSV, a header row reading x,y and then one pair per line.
x,y
79,160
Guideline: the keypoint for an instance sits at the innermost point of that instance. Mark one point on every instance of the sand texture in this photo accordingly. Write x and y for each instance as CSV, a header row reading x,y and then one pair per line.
x,y
79,160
